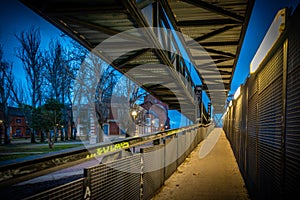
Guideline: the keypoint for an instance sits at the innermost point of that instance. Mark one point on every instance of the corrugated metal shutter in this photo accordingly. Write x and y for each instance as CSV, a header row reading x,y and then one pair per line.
x,y
292,150
270,126
251,149
237,128
243,139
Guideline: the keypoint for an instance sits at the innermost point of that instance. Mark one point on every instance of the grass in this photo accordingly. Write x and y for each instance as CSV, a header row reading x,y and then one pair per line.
x,y
13,151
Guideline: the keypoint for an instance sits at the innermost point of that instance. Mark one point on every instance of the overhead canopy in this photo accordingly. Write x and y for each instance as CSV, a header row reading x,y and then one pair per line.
x,y
218,26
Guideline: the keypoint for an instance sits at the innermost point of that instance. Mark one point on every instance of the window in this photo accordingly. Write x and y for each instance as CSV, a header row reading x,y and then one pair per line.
x,y
18,120
148,121
106,129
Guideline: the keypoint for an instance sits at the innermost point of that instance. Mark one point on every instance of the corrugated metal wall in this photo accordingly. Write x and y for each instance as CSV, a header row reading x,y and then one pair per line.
x,y
269,141
251,148
292,132
263,125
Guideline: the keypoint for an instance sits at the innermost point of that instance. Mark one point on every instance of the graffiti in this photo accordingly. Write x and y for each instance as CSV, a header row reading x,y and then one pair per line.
x,y
109,148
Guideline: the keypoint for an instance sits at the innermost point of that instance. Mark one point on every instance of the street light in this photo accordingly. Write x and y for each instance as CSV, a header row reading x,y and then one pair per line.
x,y
134,114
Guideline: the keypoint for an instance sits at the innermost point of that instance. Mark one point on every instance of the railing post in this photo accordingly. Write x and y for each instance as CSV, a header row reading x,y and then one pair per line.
x,y
142,175
87,194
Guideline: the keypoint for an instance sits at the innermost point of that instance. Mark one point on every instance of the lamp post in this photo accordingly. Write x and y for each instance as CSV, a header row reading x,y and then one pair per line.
x,y
134,116
62,133
1,130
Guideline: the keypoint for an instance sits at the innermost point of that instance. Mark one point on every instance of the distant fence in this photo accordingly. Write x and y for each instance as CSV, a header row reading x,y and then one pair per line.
x,y
263,123
138,175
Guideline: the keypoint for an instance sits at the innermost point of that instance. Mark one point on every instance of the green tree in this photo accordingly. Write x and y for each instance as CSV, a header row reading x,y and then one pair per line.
x,y
52,112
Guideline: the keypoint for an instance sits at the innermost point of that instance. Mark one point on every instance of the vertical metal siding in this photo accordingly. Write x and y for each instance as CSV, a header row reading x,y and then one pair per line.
x,y
270,130
237,130
243,131
292,138
251,149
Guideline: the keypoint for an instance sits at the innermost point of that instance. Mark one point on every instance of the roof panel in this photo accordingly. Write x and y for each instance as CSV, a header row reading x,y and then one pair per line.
x,y
218,26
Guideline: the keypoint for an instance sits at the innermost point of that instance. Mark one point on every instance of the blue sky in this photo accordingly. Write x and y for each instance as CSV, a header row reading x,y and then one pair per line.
x,y
15,17
263,14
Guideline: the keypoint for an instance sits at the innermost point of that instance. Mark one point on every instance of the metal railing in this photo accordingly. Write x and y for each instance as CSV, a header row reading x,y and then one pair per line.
x,y
137,174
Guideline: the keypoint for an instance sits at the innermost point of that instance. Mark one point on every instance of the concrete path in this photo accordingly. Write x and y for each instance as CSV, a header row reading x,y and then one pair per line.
x,y
207,174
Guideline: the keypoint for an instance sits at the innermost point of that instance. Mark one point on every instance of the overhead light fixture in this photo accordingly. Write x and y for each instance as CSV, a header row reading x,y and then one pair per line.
x,y
237,93
274,32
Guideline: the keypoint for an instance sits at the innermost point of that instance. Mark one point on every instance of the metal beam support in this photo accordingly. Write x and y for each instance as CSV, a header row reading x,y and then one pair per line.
x,y
130,58
220,52
215,32
96,27
223,43
139,18
216,9
209,22
171,17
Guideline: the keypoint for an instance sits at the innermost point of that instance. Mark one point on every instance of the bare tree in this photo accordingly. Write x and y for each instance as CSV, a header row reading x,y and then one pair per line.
x,y
54,66
55,75
93,88
103,98
131,93
74,58
30,55
6,77
19,93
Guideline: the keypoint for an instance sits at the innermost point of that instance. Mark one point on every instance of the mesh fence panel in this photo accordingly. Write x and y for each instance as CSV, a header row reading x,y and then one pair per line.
x,y
153,176
170,157
195,137
72,190
181,147
119,179
188,143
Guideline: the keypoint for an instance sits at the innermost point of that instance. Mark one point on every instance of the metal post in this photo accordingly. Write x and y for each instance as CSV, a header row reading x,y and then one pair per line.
x,y
283,122
198,92
87,193
142,175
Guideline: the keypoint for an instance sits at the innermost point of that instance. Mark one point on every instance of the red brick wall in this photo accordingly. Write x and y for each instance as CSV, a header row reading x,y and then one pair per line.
x,y
18,123
113,128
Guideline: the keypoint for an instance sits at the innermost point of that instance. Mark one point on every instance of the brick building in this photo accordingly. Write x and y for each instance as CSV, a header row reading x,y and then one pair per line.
x,y
17,123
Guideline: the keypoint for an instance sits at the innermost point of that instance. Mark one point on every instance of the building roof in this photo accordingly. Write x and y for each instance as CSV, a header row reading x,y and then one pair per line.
x,y
217,26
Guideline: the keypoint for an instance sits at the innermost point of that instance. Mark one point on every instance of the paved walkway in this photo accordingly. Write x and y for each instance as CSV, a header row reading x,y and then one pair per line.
x,y
208,173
